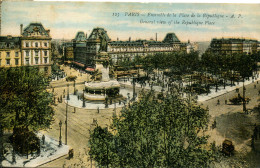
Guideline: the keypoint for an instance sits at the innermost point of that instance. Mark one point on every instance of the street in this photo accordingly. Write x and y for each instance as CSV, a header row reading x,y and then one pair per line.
x,y
231,122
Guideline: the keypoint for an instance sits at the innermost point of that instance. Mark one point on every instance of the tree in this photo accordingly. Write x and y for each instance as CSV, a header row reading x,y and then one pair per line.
x,y
154,132
25,104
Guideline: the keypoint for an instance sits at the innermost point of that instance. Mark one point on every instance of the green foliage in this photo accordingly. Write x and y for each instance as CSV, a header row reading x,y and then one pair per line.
x,y
154,133
24,100
244,64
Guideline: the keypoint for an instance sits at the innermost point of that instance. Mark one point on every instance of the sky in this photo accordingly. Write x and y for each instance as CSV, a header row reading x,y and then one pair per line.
x,y
65,19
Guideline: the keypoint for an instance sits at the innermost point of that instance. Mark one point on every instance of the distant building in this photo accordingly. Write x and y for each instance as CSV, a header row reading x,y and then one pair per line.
x,y
36,47
10,51
80,49
233,45
68,52
85,50
32,48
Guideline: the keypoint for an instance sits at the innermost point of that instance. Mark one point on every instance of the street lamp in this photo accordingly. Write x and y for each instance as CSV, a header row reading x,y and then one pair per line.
x,y
74,87
133,88
68,96
244,98
60,143
83,99
66,125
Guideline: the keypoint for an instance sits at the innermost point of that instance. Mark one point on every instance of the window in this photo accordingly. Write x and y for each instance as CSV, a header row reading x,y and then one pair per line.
x,y
27,44
36,44
27,53
16,61
45,44
8,62
36,53
36,60
0,62
45,60
45,53
27,61
0,54
7,54
16,54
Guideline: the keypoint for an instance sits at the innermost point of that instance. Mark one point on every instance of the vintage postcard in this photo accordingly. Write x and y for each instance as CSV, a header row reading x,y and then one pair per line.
x,y
129,84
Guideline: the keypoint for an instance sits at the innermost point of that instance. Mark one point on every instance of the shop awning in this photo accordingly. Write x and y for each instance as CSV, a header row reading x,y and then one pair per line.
x,y
90,69
79,64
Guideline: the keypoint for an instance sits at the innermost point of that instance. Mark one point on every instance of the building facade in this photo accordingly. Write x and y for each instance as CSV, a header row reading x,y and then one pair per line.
x,y
36,47
121,50
10,51
32,48
233,45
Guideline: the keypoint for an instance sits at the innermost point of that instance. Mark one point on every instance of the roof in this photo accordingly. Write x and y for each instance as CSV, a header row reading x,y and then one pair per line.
x,y
95,34
80,37
9,42
233,40
171,38
35,29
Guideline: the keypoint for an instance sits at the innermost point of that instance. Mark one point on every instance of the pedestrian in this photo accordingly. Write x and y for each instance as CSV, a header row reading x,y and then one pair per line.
x,y
225,101
254,86
71,153
98,110
218,103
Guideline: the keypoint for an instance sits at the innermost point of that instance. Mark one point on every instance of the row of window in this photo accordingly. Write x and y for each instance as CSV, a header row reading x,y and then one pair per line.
x,y
36,44
36,53
7,61
8,54
27,61
27,54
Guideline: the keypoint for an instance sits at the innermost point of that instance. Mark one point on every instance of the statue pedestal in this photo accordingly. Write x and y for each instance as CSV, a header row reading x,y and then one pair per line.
x,y
103,58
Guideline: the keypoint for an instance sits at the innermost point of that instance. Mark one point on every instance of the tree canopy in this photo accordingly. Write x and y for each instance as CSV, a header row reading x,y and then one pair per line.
x,y
24,100
164,132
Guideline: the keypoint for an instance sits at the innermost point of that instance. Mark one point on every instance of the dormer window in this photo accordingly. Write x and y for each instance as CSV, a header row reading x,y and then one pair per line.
x,y
26,44
45,44
36,44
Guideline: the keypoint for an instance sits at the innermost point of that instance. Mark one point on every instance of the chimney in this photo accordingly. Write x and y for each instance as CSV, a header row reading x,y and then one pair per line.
x,y
117,39
21,29
156,37
48,32
129,38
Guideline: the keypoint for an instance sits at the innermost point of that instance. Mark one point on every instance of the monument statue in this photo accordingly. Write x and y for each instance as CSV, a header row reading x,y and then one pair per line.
x,y
103,42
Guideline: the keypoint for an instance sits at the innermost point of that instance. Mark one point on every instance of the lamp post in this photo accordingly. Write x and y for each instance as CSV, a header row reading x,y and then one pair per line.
x,y
83,100
68,96
60,143
74,87
133,88
66,125
244,98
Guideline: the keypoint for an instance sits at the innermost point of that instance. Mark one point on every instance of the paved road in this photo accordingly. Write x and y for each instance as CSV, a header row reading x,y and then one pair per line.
x,y
231,123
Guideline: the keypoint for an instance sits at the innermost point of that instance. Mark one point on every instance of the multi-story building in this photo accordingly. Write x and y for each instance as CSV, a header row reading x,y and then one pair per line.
x,y
36,47
10,53
80,49
120,50
68,52
233,45
32,48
